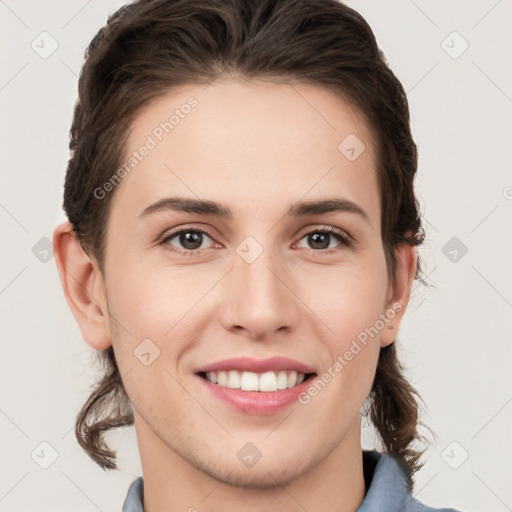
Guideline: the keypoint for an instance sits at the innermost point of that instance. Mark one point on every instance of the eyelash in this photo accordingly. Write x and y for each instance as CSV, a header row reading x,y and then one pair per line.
x,y
342,238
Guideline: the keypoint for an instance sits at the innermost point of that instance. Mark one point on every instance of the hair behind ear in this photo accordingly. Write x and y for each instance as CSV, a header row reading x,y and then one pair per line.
x,y
394,412
107,407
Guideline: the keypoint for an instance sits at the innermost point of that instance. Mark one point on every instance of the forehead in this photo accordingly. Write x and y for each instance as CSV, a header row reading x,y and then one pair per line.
x,y
251,145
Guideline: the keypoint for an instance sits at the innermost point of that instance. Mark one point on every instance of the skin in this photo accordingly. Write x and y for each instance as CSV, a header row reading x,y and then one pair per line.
x,y
257,148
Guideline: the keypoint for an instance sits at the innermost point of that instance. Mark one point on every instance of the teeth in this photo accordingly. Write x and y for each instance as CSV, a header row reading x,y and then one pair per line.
x,y
282,380
234,379
268,381
222,378
250,381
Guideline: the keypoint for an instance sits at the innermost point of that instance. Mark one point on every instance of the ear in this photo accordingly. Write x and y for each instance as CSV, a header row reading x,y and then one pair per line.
x,y
400,292
83,287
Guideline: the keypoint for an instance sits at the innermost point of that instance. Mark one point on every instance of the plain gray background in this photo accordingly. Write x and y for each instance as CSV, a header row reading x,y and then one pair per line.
x,y
455,336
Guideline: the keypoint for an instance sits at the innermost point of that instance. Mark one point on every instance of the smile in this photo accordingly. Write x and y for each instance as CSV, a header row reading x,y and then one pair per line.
x,y
251,381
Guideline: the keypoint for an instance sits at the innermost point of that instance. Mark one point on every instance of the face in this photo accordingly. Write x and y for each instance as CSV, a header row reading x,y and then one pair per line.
x,y
258,284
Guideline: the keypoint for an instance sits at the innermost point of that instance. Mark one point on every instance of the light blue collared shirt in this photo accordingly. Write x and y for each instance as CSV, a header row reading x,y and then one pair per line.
x,y
387,488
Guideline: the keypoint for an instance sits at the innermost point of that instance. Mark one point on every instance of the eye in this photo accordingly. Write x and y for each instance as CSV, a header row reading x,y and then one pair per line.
x,y
190,239
320,239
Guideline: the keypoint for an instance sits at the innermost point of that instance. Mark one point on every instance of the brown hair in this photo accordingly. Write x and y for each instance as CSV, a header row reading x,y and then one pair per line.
x,y
150,46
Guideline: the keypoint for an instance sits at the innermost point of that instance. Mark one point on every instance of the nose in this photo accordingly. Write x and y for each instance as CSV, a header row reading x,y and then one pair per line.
x,y
261,298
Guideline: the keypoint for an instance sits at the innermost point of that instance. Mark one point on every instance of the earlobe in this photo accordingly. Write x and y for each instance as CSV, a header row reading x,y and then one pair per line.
x,y
406,257
83,287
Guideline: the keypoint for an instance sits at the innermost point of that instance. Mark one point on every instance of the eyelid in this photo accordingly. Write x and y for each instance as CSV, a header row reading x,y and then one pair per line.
x,y
193,227
329,229
346,241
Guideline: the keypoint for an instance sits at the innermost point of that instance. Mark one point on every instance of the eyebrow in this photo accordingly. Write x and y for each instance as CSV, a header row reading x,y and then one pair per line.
x,y
299,209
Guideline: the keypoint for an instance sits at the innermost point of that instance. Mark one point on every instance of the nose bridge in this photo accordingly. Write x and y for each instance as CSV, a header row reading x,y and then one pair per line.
x,y
260,299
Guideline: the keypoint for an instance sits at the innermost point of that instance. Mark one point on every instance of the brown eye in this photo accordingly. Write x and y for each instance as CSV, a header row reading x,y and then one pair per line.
x,y
320,239
189,239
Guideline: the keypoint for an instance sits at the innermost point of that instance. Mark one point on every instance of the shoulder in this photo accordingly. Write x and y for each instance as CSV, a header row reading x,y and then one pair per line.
x,y
413,505
133,500
387,489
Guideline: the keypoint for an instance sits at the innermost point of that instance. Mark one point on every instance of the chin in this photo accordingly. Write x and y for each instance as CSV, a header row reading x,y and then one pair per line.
x,y
252,478
266,473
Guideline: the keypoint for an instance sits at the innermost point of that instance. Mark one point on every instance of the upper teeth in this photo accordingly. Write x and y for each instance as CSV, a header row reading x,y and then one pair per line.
x,y
250,381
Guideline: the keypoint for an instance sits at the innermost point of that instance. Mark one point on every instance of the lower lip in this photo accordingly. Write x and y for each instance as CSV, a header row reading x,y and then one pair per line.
x,y
258,402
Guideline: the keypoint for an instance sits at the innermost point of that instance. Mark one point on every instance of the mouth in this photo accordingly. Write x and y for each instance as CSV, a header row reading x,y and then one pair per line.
x,y
264,382
257,386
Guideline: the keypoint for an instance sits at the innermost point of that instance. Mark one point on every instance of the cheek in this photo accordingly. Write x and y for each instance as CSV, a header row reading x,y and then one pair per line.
x,y
157,312
351,300
151,301
350,305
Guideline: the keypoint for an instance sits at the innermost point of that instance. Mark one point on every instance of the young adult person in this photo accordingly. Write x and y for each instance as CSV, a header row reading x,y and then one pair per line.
x,y
240,249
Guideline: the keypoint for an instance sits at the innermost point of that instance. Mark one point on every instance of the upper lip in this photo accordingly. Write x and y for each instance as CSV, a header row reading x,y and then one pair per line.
x,y
257,365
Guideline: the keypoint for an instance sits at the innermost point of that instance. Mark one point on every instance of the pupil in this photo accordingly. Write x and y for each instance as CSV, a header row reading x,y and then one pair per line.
x,y
315,240
191,237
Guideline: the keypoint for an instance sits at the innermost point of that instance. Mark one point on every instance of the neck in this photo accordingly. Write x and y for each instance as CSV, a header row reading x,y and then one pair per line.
x,y
171,483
